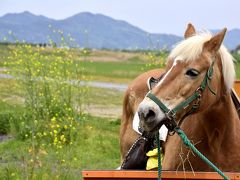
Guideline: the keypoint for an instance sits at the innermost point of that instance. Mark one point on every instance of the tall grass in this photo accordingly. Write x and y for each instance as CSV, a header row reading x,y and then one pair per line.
x,y
53,103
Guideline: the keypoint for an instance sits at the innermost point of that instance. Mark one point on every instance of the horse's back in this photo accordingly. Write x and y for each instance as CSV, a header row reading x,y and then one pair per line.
x,y
134,94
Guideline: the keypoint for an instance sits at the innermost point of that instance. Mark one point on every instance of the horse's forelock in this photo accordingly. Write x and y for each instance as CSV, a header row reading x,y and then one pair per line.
x,y
191,48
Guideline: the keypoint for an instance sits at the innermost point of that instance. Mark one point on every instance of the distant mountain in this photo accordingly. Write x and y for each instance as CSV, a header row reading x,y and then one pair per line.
x,y
90,30
232,39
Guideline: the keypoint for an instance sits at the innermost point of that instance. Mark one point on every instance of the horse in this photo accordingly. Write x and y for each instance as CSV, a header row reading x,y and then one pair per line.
x,y
213,126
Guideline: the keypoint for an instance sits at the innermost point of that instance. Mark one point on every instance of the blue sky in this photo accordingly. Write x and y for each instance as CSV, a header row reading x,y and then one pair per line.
x,y
155,16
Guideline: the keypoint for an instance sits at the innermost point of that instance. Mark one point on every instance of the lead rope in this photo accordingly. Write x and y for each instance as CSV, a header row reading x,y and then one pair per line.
x,y
159,157
192,147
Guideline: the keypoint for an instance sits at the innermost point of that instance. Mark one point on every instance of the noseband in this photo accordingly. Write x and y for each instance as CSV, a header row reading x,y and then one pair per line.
x,y
170,121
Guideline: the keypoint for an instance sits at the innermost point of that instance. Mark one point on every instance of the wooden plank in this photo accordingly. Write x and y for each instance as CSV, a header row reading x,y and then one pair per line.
x,y
236,87
130,175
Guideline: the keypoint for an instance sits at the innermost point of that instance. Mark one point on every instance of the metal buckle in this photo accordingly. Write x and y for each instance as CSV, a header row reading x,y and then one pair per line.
x,y
170,123
171,115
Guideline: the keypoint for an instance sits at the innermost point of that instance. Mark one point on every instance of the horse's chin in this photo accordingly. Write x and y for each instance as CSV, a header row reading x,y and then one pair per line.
x,y
151,128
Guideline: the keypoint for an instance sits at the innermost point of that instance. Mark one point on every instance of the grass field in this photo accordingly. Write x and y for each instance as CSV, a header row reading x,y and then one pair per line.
x,y
44,144
96,147
56,128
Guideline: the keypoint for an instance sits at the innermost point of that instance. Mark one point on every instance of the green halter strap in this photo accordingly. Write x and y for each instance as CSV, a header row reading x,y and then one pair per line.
x,y
171,113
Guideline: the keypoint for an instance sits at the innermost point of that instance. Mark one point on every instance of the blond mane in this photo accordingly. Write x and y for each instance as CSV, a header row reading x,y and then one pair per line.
x,y
191,48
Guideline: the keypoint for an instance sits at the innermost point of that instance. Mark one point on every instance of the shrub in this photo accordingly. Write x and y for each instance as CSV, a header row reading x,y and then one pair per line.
x,y
4,123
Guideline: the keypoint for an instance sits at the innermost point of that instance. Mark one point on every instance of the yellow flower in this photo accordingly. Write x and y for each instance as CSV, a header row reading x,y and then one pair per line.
x,y
55,141
39,134
53,119
62,137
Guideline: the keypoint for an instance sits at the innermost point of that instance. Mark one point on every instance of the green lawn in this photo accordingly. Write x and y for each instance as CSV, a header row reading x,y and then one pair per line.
x,y
96,147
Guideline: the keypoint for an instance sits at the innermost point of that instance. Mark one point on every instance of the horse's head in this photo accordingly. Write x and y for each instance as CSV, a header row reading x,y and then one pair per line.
x,y
199,70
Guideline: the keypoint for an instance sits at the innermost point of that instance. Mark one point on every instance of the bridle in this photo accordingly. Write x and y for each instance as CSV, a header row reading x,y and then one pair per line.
x,y
170,114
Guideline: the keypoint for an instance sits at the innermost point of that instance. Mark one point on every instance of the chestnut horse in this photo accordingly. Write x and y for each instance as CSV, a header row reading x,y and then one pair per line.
x,y
213,127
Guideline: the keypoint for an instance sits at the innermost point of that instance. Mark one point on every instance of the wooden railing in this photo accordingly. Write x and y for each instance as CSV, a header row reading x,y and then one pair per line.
x,y
150,175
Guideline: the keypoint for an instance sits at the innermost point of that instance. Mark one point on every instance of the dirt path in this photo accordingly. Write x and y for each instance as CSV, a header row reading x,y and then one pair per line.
x,y
105,111
5,138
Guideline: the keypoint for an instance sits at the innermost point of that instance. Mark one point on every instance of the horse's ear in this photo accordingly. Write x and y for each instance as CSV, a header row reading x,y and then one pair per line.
x,y
215,42
190,31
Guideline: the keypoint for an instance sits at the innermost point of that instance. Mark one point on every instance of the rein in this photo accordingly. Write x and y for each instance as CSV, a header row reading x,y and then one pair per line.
x,y
173,126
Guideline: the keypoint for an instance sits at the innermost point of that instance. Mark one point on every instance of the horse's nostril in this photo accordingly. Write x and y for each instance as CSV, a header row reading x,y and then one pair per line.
x,y
150,115
146,114
141,114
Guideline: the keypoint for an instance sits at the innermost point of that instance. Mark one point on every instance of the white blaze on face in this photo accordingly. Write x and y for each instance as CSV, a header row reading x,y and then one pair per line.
x,y
147,103
176,60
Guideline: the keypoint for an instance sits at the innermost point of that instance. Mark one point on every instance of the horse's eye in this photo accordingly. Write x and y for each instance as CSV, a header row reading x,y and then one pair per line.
x,y
192,73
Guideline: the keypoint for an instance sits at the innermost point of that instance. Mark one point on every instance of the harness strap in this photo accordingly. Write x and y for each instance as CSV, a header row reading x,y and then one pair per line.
x,y
207,79
186,103
158,102
192,110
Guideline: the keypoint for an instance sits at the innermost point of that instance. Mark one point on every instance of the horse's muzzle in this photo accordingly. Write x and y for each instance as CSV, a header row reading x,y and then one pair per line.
x,y
151,119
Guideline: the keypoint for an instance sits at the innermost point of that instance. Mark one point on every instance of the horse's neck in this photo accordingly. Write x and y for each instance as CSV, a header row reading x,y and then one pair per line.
x,y
220,124
214,132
